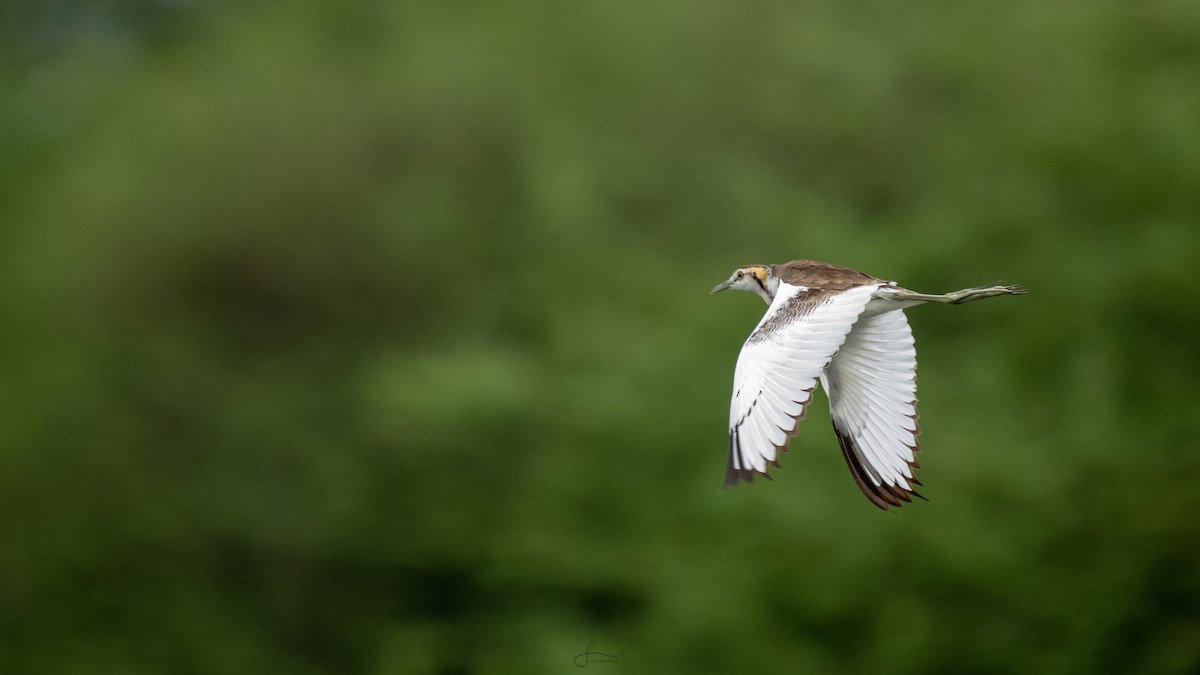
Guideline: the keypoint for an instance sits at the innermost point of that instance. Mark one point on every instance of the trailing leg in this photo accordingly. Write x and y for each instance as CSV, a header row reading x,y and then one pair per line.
x,y
952,298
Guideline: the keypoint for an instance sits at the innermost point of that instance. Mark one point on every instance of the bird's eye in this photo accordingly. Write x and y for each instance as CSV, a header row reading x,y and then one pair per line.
x,y
740,274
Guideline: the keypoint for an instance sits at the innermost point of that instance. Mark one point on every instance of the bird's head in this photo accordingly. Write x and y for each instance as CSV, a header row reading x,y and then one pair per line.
x,y
754,278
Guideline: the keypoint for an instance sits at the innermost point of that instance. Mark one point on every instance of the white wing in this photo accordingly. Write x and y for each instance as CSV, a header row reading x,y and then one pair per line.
x,y
778,368
872,387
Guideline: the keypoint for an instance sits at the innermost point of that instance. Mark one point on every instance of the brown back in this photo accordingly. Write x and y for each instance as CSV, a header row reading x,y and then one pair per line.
x,y
815,274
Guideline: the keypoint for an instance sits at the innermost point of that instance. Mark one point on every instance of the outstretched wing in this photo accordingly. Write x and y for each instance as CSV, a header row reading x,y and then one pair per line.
x,y
872,387
778,368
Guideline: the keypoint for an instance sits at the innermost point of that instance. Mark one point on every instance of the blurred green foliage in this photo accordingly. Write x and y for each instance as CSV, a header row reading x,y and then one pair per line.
x,y
375,337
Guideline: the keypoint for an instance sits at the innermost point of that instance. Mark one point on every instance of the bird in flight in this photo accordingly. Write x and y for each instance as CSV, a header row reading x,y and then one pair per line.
x,y
848,330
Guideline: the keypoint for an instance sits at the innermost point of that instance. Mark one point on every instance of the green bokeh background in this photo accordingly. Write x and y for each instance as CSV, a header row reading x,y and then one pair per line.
x,y
375,337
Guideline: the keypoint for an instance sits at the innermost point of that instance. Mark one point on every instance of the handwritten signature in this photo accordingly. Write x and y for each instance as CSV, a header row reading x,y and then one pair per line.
x,y
589,655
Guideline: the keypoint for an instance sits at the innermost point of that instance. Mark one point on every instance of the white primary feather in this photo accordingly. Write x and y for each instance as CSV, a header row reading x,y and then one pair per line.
x,y
778,367
872,386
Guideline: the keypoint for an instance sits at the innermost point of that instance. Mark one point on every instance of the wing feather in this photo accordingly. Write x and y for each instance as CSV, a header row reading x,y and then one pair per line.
x,y
778,368
872,397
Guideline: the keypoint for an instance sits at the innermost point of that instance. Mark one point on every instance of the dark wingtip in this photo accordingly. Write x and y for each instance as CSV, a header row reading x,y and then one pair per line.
x,y
882,496
733,476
